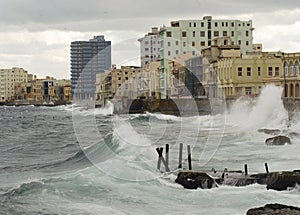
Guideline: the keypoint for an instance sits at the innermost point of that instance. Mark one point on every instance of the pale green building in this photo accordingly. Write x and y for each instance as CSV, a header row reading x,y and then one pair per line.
x,y
193,35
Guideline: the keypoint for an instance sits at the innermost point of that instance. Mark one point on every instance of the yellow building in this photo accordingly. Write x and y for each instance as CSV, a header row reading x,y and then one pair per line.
x,y
290,81
246,75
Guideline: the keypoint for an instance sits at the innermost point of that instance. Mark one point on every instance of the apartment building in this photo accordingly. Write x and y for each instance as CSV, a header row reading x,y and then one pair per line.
x,y
291,77
88,58
150,47
9,79
193,35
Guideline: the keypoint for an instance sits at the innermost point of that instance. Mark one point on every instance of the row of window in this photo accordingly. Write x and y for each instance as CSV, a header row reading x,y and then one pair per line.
x,y
249,71
216,24
216,33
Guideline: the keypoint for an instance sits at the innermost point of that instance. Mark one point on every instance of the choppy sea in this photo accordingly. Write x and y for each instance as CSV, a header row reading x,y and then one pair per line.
x,y
75,160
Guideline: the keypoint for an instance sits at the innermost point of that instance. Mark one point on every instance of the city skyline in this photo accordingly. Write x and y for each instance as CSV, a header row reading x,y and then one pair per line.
x,y
37,37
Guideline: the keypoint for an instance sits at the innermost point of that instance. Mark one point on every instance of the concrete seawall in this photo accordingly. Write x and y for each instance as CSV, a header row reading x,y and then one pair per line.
x,y
186,107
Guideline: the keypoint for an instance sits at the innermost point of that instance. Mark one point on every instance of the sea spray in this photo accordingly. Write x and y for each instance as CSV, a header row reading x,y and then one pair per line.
x,y
265,111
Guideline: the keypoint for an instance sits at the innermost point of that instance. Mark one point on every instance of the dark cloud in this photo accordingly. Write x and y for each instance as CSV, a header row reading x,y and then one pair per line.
x,y
112,14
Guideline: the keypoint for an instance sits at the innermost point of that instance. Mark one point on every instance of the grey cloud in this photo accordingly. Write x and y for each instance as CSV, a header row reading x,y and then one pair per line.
x,y
62,14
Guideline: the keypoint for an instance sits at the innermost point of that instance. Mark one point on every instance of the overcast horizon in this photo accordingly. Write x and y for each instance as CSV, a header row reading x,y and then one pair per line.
x,y
37,36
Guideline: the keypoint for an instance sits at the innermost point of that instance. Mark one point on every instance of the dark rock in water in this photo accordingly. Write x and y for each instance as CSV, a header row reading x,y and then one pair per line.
x,y
283,180
194,180
294,135
269,131
274,209
261,178
278,140
239,181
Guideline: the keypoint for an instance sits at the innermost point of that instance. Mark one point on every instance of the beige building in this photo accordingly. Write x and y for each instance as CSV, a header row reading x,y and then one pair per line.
x,y
9,80
247,75
290,81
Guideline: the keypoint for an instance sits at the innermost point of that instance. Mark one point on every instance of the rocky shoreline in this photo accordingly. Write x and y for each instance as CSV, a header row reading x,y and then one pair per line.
x,y
274,209
206,180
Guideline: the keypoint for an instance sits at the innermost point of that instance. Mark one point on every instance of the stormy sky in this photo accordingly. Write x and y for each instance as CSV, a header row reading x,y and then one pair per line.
x,y
36,34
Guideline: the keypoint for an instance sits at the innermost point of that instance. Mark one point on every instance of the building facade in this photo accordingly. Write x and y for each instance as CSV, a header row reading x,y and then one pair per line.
x,y
193,35
9,80
88,58
247,75
150,47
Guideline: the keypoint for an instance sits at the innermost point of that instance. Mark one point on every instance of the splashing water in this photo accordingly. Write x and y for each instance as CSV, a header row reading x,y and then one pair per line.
x,y
265,111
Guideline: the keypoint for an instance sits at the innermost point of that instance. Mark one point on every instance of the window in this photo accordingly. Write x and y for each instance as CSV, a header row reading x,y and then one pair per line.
x,y
216,24
184,44
169,33
202,33
270,71
240,42
194,33
146,49
276,71
224,33
184,34
247,43
177,52
248,24
258,71
240,71
247,33
216,33
248,71
222,24
119,78
226,24
176,43
232,24
190,24
202,24
169,43
202,43
232,33
193,43
195,25
248,90
193,52
169,53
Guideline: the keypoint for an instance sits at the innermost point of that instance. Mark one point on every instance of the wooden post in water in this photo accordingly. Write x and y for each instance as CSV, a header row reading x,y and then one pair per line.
x,y
180,156
189,157
246,169
167,157
267,168
161,159
159,151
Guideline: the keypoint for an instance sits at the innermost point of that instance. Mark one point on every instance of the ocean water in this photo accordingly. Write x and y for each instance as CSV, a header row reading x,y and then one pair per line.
x,y
75,160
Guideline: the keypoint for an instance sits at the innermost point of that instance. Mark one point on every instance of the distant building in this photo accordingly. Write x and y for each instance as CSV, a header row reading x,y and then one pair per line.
x,y
9,80
193,35
88,58
150,47
290,79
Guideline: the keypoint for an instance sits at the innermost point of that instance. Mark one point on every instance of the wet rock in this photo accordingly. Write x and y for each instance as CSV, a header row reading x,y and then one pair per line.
x,y
261,178
283,180
239,181
274,209
194,180
278,140
294,135
269,131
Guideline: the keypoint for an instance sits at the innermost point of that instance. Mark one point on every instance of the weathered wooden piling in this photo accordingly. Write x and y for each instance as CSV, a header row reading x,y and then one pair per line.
x,y
246,169
167,156
267,168
161,159
180,156
189,157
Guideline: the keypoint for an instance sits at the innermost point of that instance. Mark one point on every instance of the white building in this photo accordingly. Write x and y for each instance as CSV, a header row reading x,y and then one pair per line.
x,y
150,47
9,78
193,35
